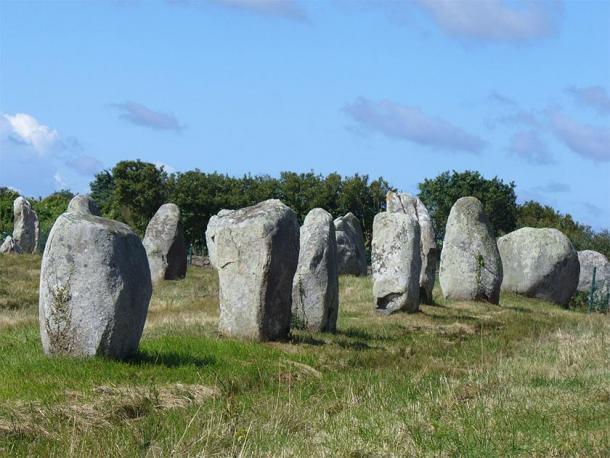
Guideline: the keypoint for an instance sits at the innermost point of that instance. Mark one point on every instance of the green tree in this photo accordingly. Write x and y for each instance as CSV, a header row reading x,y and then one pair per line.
x,y
48,209
498,198
139,189
7,197
102,188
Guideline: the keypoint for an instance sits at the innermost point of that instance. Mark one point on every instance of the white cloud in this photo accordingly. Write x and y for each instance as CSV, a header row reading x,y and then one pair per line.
x,y
494,20
410,123
138,114
24,128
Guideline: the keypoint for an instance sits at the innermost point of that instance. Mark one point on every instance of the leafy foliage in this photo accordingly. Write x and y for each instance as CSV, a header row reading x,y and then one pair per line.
x,y
7,197
498,198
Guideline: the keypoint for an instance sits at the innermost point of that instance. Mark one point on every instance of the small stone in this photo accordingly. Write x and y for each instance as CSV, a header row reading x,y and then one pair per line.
x,y
25,230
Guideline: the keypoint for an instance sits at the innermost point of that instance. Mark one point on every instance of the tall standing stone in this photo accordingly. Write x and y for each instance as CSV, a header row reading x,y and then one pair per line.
x,y
94,288
413,206
351,253
589,260
539,263
471,268
315,289
25,230
164,243
396,260
255,251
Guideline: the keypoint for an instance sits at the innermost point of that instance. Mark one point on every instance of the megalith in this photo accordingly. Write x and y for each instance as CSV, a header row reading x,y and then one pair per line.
x,y
470,267
25,229
255,251
413,206
539,263
396,262
164,244
315,288
94,288
351,253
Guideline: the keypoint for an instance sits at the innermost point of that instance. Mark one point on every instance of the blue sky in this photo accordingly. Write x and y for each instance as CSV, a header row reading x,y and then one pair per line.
x,y
403,90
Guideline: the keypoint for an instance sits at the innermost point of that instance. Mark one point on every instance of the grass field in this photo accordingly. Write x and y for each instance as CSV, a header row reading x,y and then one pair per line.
x,y
523,378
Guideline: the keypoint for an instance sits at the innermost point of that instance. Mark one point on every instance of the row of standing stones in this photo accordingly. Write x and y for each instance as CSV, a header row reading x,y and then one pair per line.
x,y
25,229
97,276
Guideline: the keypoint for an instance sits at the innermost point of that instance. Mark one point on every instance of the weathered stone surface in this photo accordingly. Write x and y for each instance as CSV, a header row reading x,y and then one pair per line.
x,y
315,289
165,246
413,206
589,260
94,288
351,253
396,260
539,263
25,229
255,251
84,204
10,246
470,268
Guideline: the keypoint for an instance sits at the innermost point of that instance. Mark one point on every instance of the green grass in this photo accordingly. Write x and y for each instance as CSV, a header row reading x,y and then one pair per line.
x,y
523,378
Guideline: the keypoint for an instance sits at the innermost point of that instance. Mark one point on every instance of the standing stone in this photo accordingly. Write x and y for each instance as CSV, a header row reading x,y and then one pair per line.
x,y
164,243
588,260
25,230
255,251
471,268
84,204
94,288
396,260
539,263
413,206
351,253
315,289
10,246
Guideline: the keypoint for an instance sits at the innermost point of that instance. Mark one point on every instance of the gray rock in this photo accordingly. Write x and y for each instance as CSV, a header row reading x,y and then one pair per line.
x,y
413,206
25,230
588,260
315,288
351,253
539,263
165,246
396,260
471,268
255,251
10,246
84,204
94,288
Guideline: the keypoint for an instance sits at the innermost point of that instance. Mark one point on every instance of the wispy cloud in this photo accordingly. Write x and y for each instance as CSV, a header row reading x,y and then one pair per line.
x,y
85,165
494,20
409,123
141,115
595,97
591,142
554,187
529,146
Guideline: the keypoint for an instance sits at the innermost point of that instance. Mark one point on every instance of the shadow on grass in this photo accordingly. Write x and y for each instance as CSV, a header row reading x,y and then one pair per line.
x,y
170,359
306,339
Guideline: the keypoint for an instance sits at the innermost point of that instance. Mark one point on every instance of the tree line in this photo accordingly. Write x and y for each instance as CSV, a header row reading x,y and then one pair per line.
x,y
132,191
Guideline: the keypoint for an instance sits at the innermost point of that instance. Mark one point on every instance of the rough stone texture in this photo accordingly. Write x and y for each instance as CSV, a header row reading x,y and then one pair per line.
x,y
406,203
25,230
589,259
396,260
94,288
315,289
84,204
255,251
351,253
539,263
471,268
165,246
10,246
